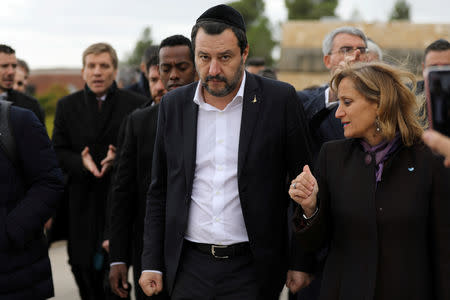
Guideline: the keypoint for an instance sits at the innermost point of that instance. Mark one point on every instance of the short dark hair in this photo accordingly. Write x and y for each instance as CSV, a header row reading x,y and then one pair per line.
x,y
438,45
178,40
6,49
23,64
149,52
153,60
211,27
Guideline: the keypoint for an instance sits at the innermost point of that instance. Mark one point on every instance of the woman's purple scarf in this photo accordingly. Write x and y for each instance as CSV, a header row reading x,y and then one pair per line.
x,y
381,152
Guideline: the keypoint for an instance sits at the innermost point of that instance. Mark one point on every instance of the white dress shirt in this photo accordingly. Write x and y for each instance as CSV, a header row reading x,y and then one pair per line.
x,y
215,215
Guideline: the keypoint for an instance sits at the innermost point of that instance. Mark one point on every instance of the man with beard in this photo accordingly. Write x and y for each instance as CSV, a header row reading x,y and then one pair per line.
x,y
8,65
215,224
135,162
84,137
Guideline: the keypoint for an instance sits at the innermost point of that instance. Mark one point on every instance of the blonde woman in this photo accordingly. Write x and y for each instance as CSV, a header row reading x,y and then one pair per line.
x,y
380,199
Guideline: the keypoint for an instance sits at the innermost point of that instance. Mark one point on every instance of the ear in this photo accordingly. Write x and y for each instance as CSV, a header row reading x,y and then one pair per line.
x,y
326,61
82,74
245,53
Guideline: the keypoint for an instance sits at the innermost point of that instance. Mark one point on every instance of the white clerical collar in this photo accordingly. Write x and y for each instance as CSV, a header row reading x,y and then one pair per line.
x,y
199,100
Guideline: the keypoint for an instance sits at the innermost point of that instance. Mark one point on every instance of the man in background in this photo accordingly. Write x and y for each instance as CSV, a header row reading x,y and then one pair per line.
x,y
141,87
8,66
84,137
134,165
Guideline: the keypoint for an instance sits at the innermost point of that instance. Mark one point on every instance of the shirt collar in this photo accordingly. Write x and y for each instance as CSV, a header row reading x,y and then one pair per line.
x,y
199,100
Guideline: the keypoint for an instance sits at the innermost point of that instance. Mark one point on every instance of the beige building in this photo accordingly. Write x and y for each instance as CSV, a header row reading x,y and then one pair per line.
x,y
301,46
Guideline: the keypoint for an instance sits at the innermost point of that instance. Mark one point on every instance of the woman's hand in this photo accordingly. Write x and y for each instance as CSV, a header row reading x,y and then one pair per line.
x,y
304,191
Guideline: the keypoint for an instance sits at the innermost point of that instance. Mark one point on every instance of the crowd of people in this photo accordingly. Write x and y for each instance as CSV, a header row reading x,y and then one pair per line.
x,y
214,180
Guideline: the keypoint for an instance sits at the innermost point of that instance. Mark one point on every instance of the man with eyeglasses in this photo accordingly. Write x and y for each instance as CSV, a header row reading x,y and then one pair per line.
x,y
344,44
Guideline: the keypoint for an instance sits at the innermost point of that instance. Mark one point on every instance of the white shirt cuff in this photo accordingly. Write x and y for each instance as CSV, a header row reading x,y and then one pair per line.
x,y
152,271
117,263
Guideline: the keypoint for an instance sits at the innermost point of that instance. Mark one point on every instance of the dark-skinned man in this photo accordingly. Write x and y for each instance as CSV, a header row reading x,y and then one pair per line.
x,y
84,137
215,224
176,68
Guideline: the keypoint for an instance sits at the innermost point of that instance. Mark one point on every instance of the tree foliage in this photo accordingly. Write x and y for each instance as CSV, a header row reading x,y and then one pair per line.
x,y
259,31
310,9
145,40
400,11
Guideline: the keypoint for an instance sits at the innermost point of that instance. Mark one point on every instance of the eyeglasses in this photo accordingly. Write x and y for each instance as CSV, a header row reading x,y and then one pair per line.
x,y
347,50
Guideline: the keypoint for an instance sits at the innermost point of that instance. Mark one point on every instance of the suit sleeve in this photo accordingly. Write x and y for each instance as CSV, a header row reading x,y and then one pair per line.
x,y
440,229
41,175
123,196
299,154
69,160
154,223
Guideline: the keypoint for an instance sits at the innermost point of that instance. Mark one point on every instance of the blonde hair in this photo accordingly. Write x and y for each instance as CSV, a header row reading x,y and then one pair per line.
x,y
99,48
388,87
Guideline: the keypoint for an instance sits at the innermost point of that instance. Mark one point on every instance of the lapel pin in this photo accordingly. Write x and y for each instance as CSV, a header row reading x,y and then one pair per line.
x,y
411,169
254,100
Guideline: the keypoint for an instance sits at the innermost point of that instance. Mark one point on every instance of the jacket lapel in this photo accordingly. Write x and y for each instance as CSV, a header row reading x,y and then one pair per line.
x,y
190,114
250,109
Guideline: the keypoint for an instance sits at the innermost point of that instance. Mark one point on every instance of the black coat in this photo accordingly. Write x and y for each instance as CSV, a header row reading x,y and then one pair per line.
x,y
273,144
141,87
389,242
22,100
131,184
78,124
29,193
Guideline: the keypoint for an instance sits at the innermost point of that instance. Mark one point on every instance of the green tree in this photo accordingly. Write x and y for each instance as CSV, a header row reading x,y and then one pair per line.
x,y
259,31
310,9
145,40
400,11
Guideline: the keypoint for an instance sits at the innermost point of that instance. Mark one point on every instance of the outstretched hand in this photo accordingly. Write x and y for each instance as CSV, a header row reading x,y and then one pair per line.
x,y
107,162
304,191
89,163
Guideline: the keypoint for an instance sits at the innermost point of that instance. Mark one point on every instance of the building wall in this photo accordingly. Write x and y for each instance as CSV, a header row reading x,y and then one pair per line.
x,y
301,59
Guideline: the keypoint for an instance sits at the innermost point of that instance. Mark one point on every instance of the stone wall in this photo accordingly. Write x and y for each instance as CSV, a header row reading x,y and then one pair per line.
x,y
301,58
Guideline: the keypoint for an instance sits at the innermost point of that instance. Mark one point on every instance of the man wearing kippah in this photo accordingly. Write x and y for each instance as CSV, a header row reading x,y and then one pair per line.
x,y
215,225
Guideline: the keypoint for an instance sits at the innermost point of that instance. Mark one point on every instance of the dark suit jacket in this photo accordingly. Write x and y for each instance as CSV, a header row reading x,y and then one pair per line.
x,y
273,143
323,124
78,123
29,192
389,242
25,101
132,179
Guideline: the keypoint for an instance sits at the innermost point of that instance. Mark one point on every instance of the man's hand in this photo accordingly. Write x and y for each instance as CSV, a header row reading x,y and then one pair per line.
x,y
89,163
151,283
48,224
118,279
105,245
296,280
439,143
107,162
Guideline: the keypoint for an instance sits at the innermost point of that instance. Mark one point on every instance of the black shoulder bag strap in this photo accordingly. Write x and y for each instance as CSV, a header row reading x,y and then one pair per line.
x,y
7,141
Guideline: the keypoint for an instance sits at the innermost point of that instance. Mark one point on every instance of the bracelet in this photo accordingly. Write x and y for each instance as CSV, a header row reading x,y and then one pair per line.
x,y
312,216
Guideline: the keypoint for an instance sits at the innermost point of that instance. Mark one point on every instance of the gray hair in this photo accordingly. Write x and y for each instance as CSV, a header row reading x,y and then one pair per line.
x,y
327,44
373,47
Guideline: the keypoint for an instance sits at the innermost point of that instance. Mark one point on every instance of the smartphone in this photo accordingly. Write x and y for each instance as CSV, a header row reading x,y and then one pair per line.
x,y
437,88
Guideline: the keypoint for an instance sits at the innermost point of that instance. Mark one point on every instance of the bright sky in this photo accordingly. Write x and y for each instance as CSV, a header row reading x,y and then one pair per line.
x,y
54,33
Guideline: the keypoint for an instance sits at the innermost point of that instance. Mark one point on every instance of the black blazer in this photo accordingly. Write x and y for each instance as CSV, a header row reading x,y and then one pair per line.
x,y
391,242
78,123
131,182
273,144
